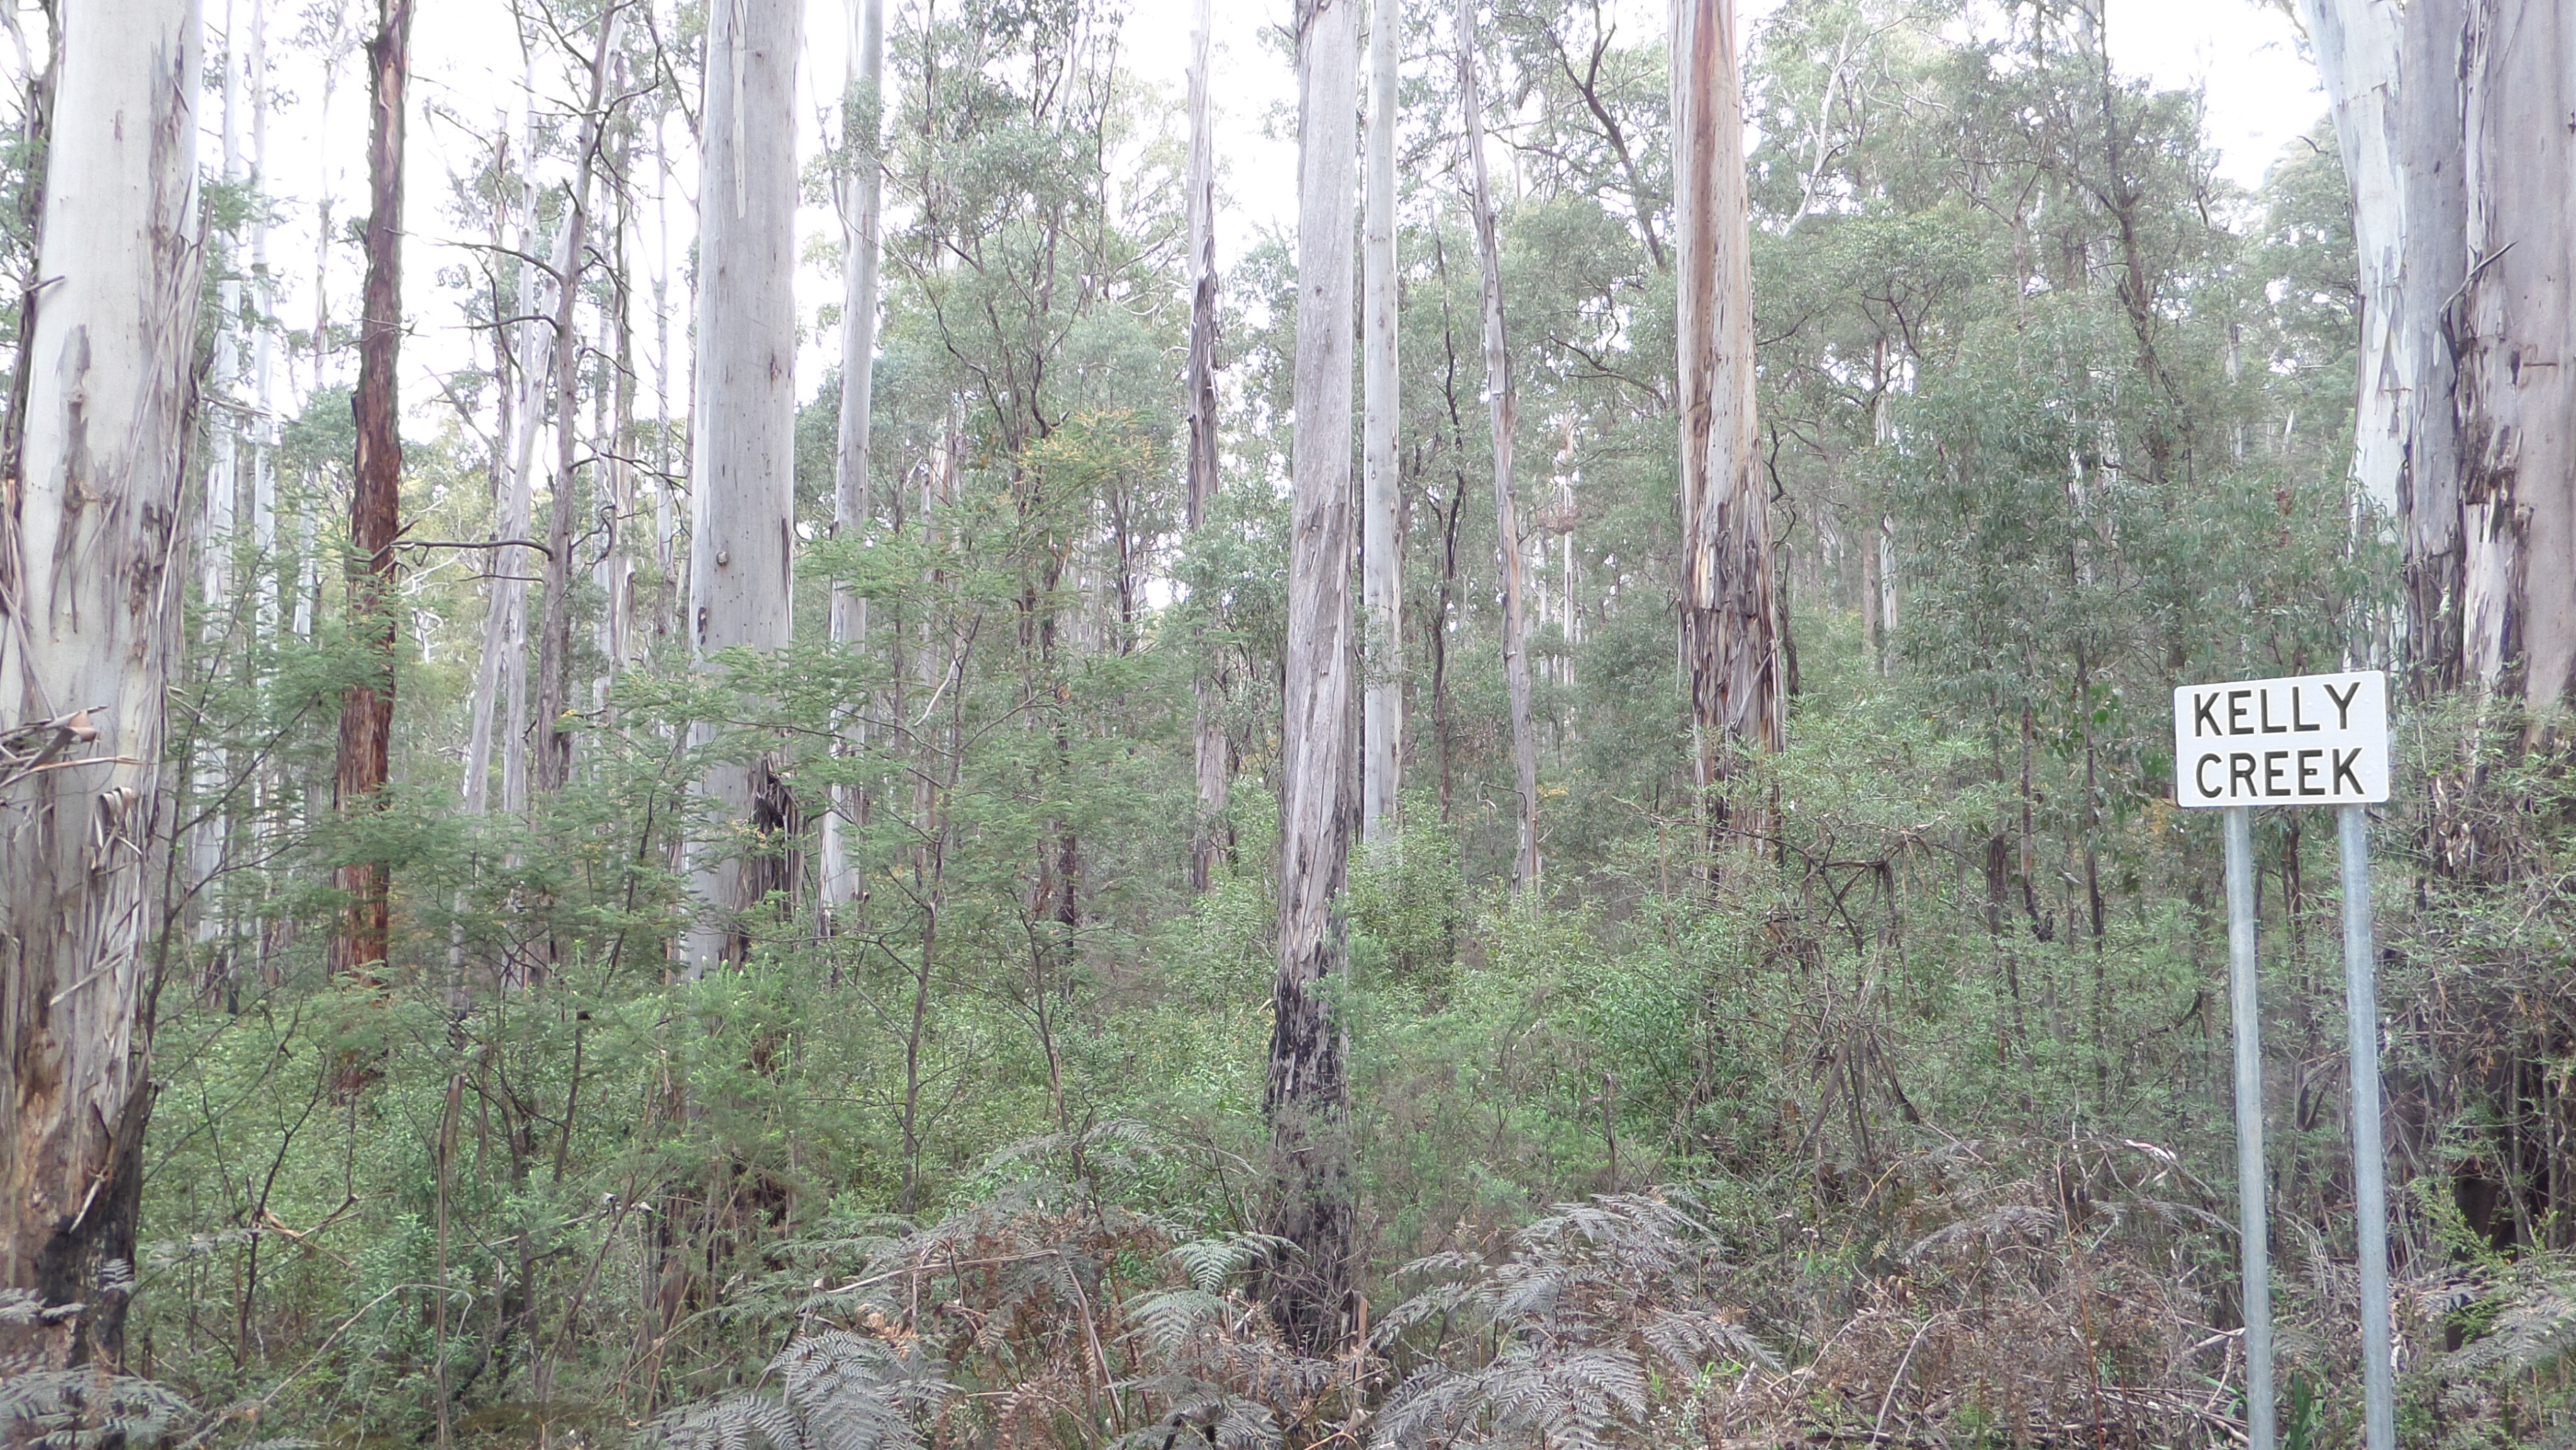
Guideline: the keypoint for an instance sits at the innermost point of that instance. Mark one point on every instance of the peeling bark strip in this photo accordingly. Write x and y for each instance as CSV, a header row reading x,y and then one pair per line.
x,y
1730,620
93,563
2516,330
367,712
2454,122
1502,401
1309,1092
742,502
1215,770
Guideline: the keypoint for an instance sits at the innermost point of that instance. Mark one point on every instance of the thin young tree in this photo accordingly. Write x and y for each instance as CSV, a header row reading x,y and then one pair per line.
x,y
93,552
1731,632
1308,1094
742,535
1381,555
554,639
222,496
367,710
862,200
1502,408
1211,747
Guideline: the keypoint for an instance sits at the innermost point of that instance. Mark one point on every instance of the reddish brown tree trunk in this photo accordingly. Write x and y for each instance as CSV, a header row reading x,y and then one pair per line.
x,y
367,712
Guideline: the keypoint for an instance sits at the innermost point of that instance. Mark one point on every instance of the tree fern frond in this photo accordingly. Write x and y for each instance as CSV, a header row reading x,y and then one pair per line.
x,y
1210,1263
81,1409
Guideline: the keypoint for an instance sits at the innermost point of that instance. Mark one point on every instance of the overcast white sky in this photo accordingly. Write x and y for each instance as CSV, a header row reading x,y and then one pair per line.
x,y
467,64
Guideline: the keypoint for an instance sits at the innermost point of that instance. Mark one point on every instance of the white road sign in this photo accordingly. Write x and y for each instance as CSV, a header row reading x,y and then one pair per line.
x,y
2310,740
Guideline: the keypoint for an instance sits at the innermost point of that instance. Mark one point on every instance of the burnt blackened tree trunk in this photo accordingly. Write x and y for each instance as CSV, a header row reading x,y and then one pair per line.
x,y
367,710
1730,615
1308,1093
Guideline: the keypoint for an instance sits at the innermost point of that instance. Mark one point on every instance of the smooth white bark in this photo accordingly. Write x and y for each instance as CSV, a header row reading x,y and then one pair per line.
x,y
2393,82
742,534
93,571
862,208
1381,585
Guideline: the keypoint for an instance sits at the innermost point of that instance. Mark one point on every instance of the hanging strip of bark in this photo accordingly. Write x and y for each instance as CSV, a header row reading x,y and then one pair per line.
x,y
1730,619
1381,559
554,640
1215,769
1307,1097
367,711
2516,322
1502,403
93,558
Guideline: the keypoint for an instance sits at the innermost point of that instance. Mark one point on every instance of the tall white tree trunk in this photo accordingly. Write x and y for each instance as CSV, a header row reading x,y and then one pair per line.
x,y
223,490
862,206
742,504
93,570
1381,556
1215,770
1307,1097
263,488
2393,81
1502,408
2516,330
1731,636
2452,119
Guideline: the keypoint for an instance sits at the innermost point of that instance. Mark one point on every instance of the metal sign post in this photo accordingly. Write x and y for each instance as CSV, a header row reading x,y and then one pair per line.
x,y
2253,1232
2313,740
2369,1173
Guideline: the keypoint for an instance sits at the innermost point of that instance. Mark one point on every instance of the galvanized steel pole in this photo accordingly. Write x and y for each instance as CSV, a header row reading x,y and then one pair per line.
x,y
2369,1173
2245,1003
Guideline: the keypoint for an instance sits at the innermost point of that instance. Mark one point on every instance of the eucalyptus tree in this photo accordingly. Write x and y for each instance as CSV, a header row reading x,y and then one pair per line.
x,y
862,202
1213,768
1502,402
2449,114
1381,549
1307,1098
573,249
375,505
742,501
1732,632
93,555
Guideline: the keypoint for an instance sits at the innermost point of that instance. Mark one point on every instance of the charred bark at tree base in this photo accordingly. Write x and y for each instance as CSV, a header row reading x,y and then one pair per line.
x,y
1312,1203
93,552
1308,1096
1731,635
